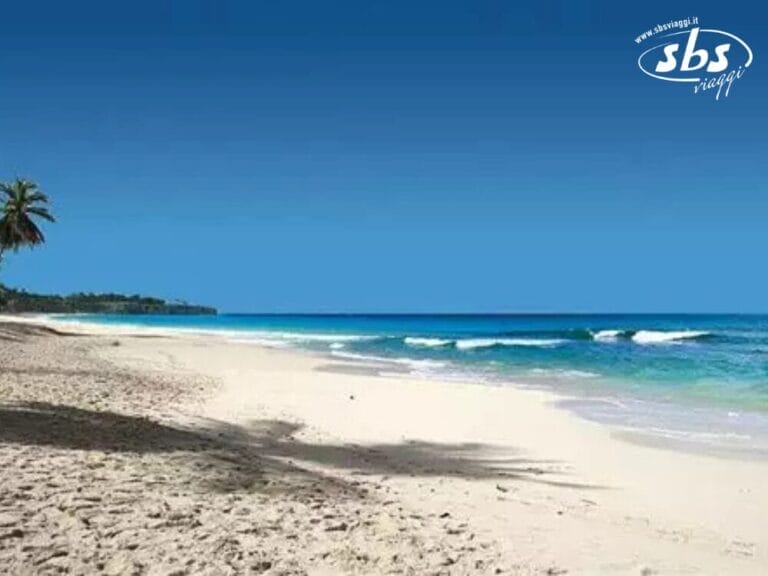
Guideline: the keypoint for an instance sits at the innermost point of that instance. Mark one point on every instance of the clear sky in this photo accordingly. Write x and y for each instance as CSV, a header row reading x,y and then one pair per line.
x,y
385,156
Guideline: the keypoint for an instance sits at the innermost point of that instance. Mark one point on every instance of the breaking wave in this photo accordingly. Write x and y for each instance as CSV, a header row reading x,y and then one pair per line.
x,y
649,336
656,337
428,342
472,343
555,339
608,335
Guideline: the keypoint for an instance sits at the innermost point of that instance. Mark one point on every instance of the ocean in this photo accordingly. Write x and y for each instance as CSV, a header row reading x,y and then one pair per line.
x,y
694,381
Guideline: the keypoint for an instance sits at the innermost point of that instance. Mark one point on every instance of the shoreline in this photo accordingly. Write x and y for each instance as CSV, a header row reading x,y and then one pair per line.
x,y
540,487
689,441
568,462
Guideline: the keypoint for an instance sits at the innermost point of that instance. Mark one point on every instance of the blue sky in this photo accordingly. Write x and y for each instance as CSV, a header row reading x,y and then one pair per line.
x,y
385,156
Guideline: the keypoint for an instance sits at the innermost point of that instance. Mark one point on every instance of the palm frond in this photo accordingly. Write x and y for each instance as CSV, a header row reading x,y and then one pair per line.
x,y
37,197
24,200
42,213
29,231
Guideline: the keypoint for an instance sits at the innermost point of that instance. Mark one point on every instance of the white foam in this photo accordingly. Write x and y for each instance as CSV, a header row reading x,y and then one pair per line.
x,y
607,335
655,337
411,362
270,338
560,372
259,342
284,339
420,364
316,337
471,343
354,356
428,342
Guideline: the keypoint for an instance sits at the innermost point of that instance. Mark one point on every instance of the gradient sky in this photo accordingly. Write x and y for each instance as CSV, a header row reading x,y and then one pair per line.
x,y
385,156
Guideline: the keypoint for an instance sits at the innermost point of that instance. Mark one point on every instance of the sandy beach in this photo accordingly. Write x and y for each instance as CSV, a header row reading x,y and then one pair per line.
x,y
125,452
383,288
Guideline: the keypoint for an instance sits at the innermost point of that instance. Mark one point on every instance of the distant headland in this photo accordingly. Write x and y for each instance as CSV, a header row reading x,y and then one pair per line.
x,y
19,301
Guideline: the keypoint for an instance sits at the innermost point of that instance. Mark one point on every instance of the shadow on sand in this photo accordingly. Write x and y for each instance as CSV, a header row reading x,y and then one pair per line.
x,y
265,455
16,332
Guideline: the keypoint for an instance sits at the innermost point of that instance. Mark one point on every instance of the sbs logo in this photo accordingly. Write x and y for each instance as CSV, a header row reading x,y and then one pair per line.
x,y
710,59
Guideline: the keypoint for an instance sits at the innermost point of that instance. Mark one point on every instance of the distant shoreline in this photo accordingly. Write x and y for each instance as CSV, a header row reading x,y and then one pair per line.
x,y
21,301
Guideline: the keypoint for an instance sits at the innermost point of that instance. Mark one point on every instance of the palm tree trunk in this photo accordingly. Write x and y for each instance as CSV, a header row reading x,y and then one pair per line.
x,y
2,250
2,289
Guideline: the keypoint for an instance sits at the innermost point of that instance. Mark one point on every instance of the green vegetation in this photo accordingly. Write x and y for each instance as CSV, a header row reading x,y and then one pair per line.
x,y
21,301
24,205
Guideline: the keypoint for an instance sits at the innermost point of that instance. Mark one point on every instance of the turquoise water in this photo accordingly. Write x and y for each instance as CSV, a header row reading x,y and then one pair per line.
x,y
685,377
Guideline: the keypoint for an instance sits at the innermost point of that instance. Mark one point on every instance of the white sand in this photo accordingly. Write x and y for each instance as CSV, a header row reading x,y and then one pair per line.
x,y
482,478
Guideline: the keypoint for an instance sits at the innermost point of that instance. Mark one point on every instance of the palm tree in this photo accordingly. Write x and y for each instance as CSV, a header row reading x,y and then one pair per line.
x,y
24,202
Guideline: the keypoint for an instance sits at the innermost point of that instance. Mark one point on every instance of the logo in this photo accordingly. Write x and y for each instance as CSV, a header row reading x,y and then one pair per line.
x,y
711,60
